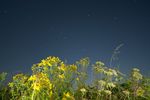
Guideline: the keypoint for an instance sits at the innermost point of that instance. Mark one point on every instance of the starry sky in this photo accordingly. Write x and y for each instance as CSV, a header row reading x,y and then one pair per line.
x,y
31,30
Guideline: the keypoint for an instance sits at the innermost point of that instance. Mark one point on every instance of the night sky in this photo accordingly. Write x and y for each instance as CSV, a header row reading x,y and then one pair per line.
x,y
71,29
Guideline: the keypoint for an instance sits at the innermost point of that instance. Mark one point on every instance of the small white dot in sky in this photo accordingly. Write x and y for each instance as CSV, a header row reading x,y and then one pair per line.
x,y
89,15
84,50
65,37
134,1
5,11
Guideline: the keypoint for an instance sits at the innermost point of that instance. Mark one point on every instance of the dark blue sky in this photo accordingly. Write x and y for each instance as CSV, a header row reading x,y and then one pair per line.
x,y
31,30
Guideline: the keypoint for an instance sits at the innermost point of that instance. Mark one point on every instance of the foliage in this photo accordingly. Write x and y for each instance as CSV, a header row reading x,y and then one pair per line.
x,y
52,79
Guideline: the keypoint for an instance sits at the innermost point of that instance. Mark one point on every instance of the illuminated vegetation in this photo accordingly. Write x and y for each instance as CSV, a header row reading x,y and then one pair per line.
x,y
52,79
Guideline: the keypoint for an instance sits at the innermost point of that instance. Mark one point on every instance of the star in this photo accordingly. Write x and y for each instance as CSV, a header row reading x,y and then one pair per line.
x,y
135,1
89,15
3,12
84,50
115,19
65,38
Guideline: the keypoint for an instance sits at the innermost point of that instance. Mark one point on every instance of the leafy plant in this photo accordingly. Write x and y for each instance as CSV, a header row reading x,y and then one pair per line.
x,y
53,79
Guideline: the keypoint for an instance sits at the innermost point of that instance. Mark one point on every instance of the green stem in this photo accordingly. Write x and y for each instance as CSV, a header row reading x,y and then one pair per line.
x,y
32,97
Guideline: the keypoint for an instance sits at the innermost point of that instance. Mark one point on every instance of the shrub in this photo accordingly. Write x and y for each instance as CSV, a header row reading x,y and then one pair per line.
x,y
52,79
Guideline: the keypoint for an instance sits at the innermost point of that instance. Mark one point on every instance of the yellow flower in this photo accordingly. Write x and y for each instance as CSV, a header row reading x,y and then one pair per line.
x,y
36,86
40,80
77,79
67,96
64,98
62,67
49,64
73,68
83,90
136,69
98,69
53,60
49,61
140,91
62,76
102,83
126,92
20,78
43,62
107,92
111,85
108,73
114,72
99,63
136,74
11,84
32,78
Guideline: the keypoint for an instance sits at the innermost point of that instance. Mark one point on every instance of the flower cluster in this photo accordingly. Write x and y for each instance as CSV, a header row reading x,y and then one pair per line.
x,y
52,79
40,81
136,75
